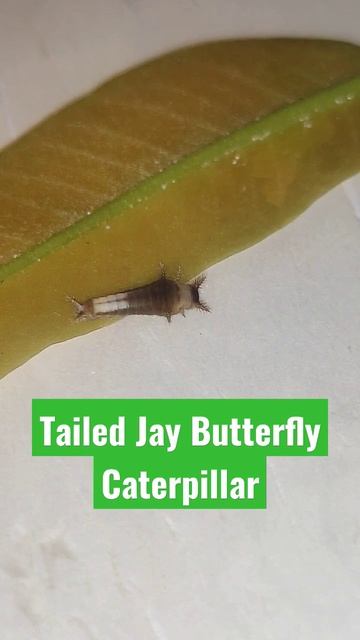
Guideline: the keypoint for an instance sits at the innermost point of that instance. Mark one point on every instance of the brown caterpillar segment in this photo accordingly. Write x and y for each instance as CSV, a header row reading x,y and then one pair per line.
x,y
164,297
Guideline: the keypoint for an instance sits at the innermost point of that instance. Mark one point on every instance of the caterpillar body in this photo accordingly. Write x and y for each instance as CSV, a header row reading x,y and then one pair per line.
x,y
163,297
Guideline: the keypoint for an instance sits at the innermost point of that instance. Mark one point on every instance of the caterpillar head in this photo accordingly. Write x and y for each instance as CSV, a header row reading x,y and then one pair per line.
x,y
196,300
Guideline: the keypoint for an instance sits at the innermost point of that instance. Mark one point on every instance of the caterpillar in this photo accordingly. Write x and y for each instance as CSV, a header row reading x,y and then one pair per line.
x,y
163,297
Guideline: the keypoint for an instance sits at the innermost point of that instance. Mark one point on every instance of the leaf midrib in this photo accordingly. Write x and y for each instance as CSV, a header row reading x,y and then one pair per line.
x,y
272,123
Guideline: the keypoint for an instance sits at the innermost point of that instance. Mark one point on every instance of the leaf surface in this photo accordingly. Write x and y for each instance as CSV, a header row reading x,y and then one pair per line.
x,y
184,160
